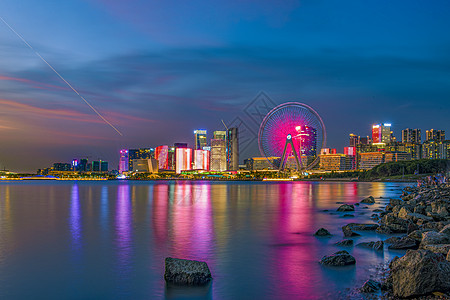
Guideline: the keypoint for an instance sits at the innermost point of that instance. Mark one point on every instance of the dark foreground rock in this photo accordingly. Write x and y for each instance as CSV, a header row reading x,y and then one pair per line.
x,y
370,286
378,245
340,258
322,232
186,272
418,273
346,207
404,243
345,243
368,200
362,226
348,232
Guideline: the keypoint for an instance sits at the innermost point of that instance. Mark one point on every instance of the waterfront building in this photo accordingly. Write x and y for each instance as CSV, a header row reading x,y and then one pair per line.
x,y
368,160
381,133
200,139
183,159
220,135
104,166
431,149
96,166
141,153
232,149
201,160
83,165
162,155
62,167
262,163
146,165
397,156
435,135
353,140
336,162
411,136
123,161
308,139
351,152
218,155
171,158
365,140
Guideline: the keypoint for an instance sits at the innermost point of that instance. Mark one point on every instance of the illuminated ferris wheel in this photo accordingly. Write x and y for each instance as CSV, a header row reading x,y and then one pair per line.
x,y
292,130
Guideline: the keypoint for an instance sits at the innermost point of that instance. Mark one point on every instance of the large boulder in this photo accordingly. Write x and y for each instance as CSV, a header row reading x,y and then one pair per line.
x,y
442,248
368,200
322,232
348,232
419,272
370,286
340,258
378,245
346,207
446,230
434,238
186,272
404,243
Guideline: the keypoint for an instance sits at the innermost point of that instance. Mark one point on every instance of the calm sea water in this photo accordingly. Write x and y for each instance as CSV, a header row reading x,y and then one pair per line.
x,y
108,240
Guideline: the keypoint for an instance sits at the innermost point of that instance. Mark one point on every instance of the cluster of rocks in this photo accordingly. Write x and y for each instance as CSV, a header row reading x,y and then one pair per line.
x,y
422,215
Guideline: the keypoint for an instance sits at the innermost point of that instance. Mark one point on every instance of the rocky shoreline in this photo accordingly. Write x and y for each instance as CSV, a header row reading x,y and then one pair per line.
x,y
422,219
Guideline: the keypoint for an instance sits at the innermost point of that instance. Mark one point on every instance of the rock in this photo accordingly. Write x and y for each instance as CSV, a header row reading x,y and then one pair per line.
x,y
346,207
448,256
345,243
446,230
403,212
362,226
378,245
395,202
404,243
419,273
348,216
416,234
377,210
383,229
186,272
340,258
322,232
442,248
368,200
436,226
370,286
357,204
392,240
434,238
348,232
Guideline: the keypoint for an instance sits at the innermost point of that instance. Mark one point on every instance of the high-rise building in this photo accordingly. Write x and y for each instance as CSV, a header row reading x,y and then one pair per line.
x,y
104,166
220,135
232,149
96,166
381,133
149,165
201,159
354,140
83,165
171,158
184,159
308,138
62,167
411,136
162,155
123,161
200,139
436,135
142,153
218,155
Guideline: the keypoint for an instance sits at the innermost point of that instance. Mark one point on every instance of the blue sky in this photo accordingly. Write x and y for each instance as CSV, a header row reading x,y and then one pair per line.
x,y
160,69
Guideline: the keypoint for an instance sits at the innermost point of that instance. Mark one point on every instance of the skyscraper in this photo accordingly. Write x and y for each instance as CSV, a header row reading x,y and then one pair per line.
x,y
381,133
220,135
201,160
232,149
184,159
162,155
123,161
308,138
354,140
436,135
218,155
200,139
411,136
142,153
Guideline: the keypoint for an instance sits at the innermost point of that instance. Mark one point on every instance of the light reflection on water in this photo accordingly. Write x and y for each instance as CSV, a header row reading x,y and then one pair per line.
x,y
256,238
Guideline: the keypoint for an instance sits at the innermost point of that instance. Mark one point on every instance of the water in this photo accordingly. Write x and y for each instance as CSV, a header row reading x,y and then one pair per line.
x,y
108,240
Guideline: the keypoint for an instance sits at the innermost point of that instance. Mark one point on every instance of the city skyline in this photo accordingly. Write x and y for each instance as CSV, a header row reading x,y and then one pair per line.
x,y
160,71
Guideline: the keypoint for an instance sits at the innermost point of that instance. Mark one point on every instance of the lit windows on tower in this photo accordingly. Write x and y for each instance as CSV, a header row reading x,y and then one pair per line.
x,y
200,139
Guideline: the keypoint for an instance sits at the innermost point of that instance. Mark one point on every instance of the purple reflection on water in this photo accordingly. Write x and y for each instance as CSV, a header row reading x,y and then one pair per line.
x,y
75,219
123,226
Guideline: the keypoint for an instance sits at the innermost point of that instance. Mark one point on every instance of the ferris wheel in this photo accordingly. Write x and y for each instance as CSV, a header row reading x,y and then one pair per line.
x,y
296,125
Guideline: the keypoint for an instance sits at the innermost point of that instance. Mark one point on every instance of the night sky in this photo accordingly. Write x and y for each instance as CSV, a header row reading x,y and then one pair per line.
x,y
157,70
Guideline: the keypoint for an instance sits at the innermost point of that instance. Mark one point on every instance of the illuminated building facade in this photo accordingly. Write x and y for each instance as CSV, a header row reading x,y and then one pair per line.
x,y
184,159
411,136
61,167
141,153
149,165
397,156
435,135
381,133
162,155
220,135
308,138
336,162
232,149
354,140
262,163
218,155
171,158
200,139
369,160
201,160
123,161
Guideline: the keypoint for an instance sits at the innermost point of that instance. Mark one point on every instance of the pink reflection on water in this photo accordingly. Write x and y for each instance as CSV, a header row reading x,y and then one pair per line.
x,y
160,214
75,218
123,227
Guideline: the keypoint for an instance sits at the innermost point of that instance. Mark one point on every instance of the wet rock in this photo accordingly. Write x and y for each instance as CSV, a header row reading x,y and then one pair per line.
x,y
383,230
404,243
378,210
346,207
348,216
345,243
395,202
392,240
348,232
357,204
368,200
442,248
448,256
186,272
378,245
434,238
370,286
446,230
436,226
322,232
403,212
416,234
340,258
362,226
419,273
